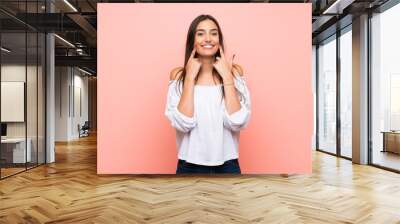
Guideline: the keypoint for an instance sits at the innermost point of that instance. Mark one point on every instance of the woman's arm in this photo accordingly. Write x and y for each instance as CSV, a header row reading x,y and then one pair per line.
x,y
238,119
232,103
236,111
186,103
178,120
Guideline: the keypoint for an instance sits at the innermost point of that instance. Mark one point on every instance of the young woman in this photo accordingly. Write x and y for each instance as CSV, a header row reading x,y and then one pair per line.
x,y
208,103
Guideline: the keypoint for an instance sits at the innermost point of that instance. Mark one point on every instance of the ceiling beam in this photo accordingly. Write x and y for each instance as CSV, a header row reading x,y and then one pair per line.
x,y
86,26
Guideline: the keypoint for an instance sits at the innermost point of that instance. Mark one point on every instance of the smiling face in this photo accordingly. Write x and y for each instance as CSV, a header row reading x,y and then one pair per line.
x,y
206,39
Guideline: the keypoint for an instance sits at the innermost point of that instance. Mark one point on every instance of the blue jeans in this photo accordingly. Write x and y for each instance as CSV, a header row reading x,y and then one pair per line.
x,y
230,166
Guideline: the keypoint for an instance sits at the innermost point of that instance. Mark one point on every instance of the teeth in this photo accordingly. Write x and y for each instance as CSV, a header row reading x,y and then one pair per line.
x,y
207,46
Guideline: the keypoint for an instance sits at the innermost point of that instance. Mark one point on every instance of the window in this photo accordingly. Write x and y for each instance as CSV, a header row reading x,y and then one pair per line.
x,y
346,92
327,95
385,88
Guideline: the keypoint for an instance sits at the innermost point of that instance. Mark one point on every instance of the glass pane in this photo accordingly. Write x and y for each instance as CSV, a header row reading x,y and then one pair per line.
x,y
327,96
22,88
314,73
31,85
13,88
41,98
346,93
386,89
31,101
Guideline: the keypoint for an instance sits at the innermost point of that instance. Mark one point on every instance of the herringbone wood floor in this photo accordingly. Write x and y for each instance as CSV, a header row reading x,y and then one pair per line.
x,y
69,191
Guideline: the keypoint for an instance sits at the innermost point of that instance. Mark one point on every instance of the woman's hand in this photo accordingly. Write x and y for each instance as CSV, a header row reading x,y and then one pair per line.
x,y
193,66
224,66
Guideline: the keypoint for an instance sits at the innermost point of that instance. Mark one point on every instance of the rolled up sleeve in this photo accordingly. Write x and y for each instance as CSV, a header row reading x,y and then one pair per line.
x,y
239,119
178,120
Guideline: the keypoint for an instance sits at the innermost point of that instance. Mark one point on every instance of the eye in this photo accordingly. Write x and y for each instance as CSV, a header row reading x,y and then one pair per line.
x,y
199,34
215,34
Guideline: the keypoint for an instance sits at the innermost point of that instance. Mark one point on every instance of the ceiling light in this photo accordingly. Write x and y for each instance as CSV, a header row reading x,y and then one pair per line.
x,y
64,40
84,71
70,5
338,6
5,50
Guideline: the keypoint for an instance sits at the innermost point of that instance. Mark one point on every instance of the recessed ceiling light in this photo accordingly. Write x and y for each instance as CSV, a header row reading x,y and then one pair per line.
x,y
84,71
64,40
337,7
5,50
70,5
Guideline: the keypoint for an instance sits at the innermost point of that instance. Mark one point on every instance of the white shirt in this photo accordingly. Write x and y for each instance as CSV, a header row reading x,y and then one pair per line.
x,y
211,136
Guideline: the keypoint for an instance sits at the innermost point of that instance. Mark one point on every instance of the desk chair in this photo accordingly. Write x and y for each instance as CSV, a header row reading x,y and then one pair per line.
x,y
84,130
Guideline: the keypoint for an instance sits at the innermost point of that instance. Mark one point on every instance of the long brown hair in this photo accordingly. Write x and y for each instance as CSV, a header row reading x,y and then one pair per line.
x,y
189,47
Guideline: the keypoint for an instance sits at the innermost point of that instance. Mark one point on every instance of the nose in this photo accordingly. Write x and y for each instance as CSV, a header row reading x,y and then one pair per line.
x,y
208,37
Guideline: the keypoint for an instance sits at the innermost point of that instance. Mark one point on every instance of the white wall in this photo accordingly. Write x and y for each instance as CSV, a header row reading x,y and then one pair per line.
x,y
62,81
71,93
80,84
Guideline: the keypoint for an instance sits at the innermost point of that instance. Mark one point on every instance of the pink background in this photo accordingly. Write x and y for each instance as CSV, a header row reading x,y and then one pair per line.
x,y
139,44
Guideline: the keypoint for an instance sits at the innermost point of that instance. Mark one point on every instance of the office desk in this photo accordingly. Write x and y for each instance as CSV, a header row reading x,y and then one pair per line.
x,y
391,141
13,150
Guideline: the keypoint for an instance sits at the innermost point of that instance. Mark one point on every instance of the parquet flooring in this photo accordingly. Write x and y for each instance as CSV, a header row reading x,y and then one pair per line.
x,y
70,191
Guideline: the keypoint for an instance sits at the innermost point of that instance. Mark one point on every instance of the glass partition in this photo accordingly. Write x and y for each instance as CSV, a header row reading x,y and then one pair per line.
x,y
385,89
13,109
327,95
22,63
346,92
32,95
41,87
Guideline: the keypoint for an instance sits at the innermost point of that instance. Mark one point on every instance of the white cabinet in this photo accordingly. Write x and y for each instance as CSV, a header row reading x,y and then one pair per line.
x,y
18,149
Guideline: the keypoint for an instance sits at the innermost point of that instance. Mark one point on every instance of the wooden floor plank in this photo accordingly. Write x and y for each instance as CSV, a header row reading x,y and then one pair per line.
x,y
70,191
